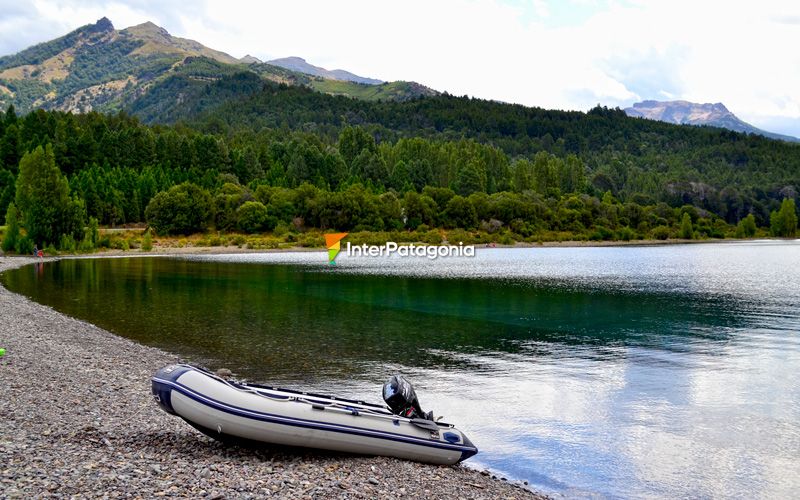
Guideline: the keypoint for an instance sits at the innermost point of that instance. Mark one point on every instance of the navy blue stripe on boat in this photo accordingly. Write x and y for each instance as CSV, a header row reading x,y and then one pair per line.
x,y
312,424
163,394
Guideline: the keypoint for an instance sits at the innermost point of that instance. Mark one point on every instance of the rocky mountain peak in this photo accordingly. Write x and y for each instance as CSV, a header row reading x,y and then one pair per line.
x,y
691,113
102,24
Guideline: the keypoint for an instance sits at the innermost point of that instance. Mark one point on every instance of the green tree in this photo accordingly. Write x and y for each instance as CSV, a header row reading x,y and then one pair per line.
x,y
253,217
687,231
471,178
401,176
418,209
12,236
354,140
228,199
460,213
7,189
147,241
544,172
783,222
183,209
746,227
370,166
43,198
522,173
93,232
421,173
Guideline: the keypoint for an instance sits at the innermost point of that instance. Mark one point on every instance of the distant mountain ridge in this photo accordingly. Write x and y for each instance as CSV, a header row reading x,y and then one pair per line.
x,y
690,113
300,65
97,67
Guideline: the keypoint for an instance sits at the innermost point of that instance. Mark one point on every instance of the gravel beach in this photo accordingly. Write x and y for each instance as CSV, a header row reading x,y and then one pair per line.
x,y
77,419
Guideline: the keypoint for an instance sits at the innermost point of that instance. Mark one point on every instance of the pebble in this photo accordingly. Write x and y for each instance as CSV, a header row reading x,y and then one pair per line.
x,y
77,420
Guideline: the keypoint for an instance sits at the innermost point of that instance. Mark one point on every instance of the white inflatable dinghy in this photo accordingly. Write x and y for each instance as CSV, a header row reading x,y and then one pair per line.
x,y
231,411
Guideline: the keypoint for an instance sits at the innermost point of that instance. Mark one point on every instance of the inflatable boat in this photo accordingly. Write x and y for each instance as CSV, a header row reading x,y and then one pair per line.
x,y
232,411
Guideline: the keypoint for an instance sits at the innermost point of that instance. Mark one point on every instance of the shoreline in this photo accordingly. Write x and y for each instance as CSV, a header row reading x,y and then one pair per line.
x,y
230,249
77,418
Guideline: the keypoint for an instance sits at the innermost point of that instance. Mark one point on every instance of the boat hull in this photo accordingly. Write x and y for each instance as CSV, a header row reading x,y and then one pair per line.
x,y
227,410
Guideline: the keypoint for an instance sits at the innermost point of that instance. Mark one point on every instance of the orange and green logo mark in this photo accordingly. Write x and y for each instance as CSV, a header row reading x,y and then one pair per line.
x,y
333,242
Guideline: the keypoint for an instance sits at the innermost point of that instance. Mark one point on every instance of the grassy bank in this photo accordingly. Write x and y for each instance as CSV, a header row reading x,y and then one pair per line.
x,y
135,239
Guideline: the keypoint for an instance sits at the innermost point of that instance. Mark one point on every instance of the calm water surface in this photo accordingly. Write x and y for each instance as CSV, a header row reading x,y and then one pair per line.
x,y
610,372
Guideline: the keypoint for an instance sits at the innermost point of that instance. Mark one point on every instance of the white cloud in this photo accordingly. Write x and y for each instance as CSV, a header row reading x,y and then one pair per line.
x,y
533,52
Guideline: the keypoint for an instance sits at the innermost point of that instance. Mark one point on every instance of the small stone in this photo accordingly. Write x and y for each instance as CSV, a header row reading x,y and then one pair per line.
x,y
224,373
374,481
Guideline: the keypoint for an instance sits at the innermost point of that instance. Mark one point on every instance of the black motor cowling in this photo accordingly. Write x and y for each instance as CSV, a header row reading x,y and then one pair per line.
x,y
400,396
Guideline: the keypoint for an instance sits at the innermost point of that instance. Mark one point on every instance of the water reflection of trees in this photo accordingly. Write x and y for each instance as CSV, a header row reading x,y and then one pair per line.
x,y
277,320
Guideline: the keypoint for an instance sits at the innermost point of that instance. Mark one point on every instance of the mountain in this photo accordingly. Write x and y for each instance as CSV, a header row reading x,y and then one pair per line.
x,y
690,113
97,67
248,59
301,66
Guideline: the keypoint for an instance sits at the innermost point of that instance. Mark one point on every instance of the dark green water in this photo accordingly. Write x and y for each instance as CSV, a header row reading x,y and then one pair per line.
x,y
611,371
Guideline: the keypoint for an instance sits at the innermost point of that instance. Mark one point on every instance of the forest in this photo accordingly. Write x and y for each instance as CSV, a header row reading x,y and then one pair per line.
x,y
242,155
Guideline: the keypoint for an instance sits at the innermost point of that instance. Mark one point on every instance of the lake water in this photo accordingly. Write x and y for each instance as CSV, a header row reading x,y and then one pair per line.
x,y
609,372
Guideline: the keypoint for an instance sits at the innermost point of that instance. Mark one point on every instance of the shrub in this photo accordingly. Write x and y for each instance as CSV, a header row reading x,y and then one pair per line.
x,y
86,245
660,233
93,232
147,241
281,229
432,237
601,233
67,243
312,241
626,234
25,245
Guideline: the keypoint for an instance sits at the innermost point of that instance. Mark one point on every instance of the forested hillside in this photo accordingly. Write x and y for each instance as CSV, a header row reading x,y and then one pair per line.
x,y
729,174
242,154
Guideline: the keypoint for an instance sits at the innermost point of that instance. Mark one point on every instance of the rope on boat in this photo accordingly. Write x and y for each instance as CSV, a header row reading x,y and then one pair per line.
x,y
322,406
283,399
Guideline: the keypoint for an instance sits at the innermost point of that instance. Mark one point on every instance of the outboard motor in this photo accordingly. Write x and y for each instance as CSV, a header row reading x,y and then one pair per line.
x,y
400,396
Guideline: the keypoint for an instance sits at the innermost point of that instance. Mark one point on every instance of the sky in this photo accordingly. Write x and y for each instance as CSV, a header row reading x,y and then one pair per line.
x,y
567,54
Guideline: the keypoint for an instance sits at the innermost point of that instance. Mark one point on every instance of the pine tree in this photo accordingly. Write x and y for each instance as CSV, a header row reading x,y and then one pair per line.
x,y
783,222
687,231
48,211
11,236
